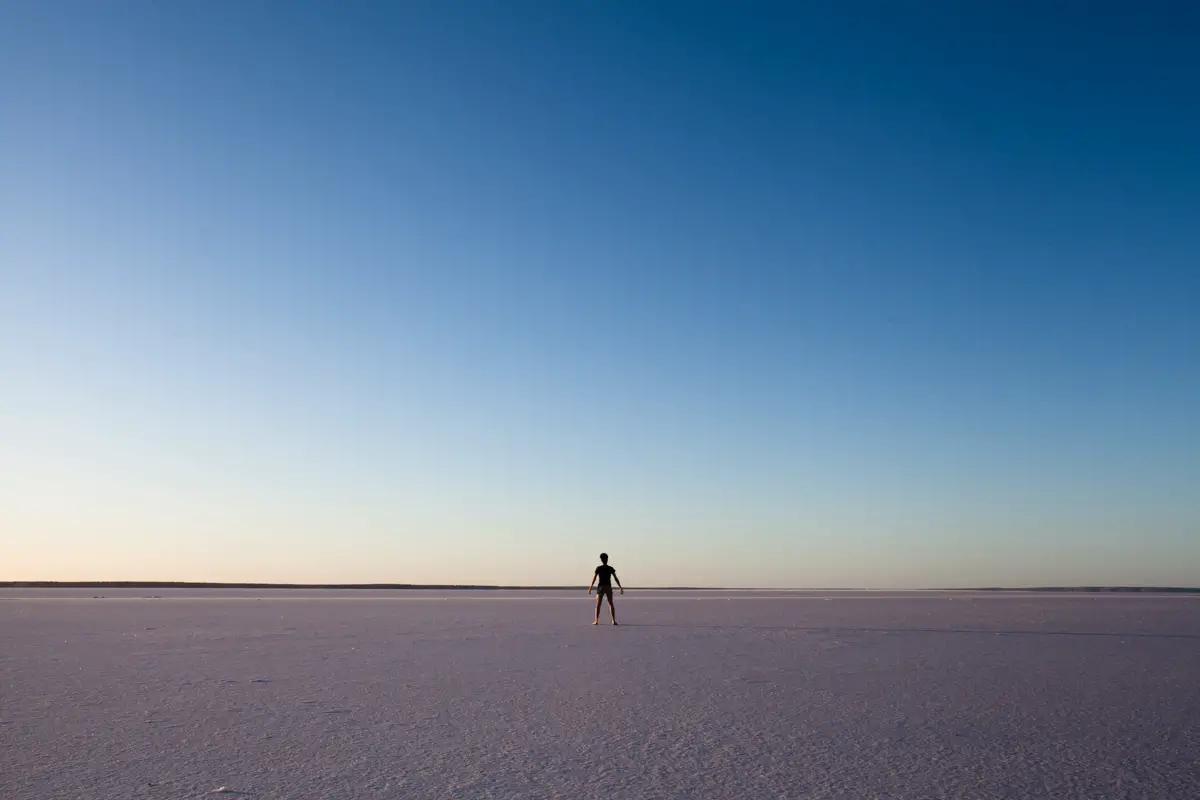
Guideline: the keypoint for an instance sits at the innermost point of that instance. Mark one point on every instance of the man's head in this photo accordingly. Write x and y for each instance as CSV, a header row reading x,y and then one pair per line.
x,y
604,558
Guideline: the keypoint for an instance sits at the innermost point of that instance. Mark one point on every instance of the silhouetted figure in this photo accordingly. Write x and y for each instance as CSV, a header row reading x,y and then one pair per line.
x,y
606,576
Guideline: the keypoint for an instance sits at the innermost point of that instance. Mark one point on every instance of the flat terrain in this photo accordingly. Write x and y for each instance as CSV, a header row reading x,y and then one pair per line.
x,y
407,694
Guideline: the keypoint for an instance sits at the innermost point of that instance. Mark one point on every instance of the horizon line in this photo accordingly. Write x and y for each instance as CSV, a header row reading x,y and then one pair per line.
x,y
499,587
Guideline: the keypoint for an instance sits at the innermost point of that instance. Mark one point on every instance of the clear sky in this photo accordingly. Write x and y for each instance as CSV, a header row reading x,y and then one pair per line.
x,y
799,294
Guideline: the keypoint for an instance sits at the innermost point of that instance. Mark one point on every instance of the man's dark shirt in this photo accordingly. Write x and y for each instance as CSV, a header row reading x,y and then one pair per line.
x,y
604,572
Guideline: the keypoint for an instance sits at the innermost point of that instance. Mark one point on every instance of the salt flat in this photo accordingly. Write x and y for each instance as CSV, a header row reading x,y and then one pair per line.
x,y
405,694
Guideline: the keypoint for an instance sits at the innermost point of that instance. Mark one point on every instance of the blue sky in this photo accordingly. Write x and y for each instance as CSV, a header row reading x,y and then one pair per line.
x,y
829,294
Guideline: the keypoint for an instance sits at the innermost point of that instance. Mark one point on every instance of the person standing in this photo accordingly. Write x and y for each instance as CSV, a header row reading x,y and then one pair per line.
x,y
606,575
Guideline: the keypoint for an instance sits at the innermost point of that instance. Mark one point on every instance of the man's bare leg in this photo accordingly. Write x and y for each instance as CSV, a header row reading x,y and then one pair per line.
x,y
599,600
611,609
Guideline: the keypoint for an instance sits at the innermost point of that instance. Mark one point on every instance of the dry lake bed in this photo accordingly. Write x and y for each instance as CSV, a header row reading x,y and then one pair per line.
x,y
298,695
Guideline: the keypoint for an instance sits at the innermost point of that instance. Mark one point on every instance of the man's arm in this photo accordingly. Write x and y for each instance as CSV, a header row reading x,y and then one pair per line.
x,y
593,583
618,580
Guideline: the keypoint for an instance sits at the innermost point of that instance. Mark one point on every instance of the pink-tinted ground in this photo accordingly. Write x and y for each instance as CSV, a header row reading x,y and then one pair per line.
x,y
697,695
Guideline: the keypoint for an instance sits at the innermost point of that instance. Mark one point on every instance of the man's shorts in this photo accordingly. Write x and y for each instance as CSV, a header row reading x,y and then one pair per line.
x,y
604,590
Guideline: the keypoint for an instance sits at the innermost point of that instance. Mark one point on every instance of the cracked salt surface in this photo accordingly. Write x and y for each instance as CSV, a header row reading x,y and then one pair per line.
x,y
509,694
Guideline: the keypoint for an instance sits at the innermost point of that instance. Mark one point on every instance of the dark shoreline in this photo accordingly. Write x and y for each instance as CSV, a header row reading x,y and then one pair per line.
x,y
447,587
1086,589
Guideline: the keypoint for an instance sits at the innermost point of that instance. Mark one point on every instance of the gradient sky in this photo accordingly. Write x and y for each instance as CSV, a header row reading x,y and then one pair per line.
x,y
807,294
